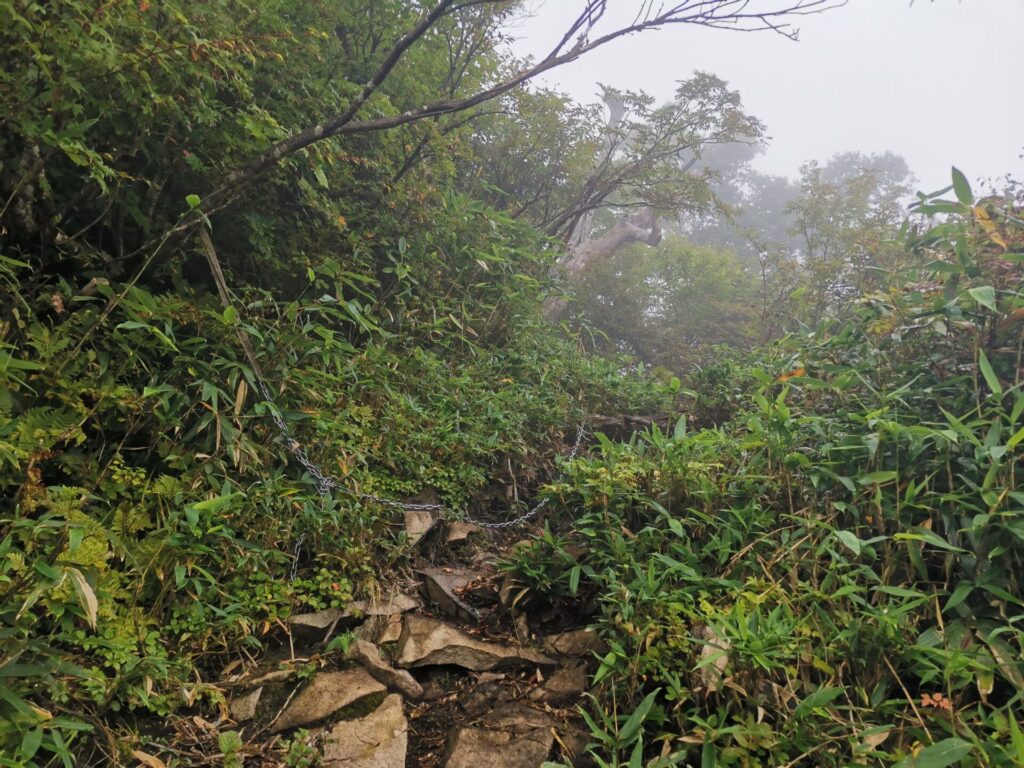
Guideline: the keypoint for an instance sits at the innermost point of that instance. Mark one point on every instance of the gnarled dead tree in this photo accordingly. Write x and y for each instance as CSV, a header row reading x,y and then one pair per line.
x,y
639,227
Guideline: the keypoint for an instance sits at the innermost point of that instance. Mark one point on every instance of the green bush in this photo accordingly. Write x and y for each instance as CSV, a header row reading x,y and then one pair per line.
x,y
833,576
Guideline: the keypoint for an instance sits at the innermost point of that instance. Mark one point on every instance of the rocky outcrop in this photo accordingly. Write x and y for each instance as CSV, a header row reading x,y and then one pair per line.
x,y
379,740
426,641
565,685
417,523
574,643
327,694
315,626
368,656
476,748
442,587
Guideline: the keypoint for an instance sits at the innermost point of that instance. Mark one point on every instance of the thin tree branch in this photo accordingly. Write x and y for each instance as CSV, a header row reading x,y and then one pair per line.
x,y
720,14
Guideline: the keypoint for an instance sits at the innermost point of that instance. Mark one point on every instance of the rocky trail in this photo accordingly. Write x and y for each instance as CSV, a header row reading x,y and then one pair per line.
x,y
446,673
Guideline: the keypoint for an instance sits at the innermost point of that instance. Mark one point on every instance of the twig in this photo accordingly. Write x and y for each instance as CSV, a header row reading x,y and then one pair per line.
x,y
284,706
910,699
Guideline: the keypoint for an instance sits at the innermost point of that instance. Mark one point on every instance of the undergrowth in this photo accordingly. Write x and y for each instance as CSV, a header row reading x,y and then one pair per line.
x,y
155,526
832,576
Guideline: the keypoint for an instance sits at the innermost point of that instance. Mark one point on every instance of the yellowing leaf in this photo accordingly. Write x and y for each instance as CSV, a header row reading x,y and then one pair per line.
x,y
85,595
981,215
874,738
714,658
148,760
240,393
793,374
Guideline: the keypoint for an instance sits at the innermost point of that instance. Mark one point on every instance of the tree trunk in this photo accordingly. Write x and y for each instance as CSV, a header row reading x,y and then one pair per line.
x,y
640,227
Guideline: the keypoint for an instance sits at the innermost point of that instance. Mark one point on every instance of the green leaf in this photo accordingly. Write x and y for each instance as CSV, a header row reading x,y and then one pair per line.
x,y
159,389
636,759
708,756
984,295
30,743
192,200
928,537
680,431
574,580
939,755
320,177
607,665
821,697
632,727
230,315
1016,737
75,535
877,478
961,593
7,361
962,187
1018,407
990,375
849,540
229,741
130,325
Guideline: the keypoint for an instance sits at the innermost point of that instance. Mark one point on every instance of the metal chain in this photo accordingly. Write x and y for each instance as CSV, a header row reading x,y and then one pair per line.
x,y
295,557
580,432
325,483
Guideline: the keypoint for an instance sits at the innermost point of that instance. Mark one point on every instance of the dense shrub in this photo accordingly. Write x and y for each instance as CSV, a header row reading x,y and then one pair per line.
x,y
833,575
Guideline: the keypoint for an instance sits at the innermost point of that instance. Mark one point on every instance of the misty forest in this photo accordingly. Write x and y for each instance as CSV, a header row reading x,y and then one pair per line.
x,y
366,401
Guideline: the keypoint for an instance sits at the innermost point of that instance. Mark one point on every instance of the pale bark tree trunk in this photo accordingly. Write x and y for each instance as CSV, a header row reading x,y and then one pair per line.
x,y
640,227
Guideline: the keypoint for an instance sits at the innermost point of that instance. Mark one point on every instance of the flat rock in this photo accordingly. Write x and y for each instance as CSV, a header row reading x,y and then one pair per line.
x,y
265,678
326,694
243,708
565,685
316,625
392,605
378,740
460,531
575,642
442,587
518,719
368,656
417,523
426,642
476,747
392,631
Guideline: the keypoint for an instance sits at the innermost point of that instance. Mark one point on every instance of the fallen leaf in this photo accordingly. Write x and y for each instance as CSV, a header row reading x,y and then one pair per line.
x,y
147,759
793,374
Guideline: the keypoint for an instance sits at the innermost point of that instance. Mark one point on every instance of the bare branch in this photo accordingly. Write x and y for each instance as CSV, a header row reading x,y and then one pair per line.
x,y
720,14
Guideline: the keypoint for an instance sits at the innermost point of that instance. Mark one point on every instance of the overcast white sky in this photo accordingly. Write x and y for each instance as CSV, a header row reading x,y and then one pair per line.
x,y
940,83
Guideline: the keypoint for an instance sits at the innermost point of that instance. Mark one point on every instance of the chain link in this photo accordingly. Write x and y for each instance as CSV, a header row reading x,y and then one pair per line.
x,y
325,483
580,432
295,557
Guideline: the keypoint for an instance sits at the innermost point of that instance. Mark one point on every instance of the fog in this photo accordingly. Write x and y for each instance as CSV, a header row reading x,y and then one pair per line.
x,y
936,82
